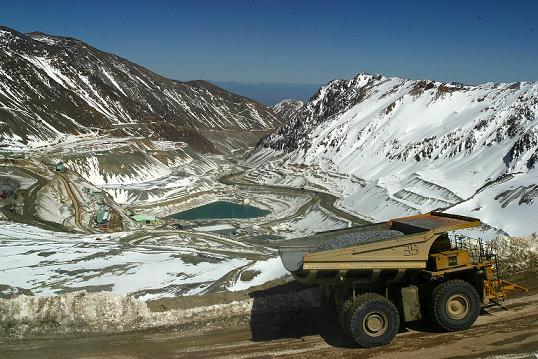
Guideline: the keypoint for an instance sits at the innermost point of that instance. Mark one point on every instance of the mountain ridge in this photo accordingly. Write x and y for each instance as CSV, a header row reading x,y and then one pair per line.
x,y
287,109
51,86
392,146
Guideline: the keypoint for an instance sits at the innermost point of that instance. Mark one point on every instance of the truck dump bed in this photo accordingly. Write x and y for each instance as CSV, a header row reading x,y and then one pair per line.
x,y
401,243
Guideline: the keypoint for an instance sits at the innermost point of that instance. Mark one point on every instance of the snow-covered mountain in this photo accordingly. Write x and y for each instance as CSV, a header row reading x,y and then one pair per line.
x,y
392,146
51,86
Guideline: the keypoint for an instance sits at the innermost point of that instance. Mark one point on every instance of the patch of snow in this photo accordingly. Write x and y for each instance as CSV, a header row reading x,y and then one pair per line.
x,y
50,263
263,271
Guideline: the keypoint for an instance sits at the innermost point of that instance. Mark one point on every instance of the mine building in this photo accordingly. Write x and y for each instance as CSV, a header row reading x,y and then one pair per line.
x,y
8,188
102,215
60,167
144,218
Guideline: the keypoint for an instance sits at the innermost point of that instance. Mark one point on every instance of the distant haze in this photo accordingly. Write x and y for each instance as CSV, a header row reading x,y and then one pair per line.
x,y
271,93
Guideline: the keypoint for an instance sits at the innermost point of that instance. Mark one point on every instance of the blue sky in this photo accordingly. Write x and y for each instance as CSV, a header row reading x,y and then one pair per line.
x,y
300,42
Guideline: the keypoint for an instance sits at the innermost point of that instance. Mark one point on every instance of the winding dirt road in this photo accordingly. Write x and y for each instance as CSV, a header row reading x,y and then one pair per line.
x,y
512,330
76,204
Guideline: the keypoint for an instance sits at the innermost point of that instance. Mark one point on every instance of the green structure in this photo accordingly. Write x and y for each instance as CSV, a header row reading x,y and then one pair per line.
x,y
59,167
144,218
102,216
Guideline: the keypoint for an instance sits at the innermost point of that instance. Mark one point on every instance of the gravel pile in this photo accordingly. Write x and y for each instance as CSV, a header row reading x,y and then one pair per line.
x,y
350,239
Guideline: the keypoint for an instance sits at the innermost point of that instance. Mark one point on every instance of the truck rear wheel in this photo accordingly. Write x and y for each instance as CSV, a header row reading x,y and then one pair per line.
x,y
373,320
455,305
343,315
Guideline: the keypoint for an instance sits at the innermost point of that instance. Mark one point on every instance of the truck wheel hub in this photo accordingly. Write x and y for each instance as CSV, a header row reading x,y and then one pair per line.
x,y
375,324
457,306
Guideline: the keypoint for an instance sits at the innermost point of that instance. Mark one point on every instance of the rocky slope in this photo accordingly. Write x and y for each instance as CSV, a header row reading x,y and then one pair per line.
x,y
53,86
287,109
393,146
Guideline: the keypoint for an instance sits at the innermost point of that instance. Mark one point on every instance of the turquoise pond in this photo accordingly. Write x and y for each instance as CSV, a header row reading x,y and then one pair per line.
x,y
221,209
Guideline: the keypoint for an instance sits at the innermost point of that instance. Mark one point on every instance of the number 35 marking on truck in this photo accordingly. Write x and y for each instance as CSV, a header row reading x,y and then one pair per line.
x,y
410,250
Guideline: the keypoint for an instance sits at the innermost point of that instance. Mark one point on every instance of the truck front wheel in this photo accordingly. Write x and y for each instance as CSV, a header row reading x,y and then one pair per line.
x,y
456,305
373,320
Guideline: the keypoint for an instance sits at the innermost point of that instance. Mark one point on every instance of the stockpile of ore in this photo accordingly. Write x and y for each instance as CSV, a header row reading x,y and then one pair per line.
x,y
350,239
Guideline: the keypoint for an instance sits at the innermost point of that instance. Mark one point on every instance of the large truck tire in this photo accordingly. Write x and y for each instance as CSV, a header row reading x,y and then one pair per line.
x,y
455,305
327,299
343,315
373,320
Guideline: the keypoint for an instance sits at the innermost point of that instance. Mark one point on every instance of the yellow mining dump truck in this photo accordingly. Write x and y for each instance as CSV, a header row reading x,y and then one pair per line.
x,y
382,274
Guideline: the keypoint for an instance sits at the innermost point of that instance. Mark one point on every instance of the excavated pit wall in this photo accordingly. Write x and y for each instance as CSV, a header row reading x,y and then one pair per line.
x,y
106,312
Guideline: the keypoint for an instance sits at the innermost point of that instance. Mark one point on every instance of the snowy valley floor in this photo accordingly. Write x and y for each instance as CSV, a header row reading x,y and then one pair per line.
x,y
208,292
161,178
163,261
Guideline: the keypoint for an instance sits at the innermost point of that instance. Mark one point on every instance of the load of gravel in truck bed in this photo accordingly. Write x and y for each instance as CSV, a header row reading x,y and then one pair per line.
x,y
350,239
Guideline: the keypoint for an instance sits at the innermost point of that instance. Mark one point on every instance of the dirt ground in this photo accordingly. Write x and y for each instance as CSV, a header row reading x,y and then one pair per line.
x,y
509,331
